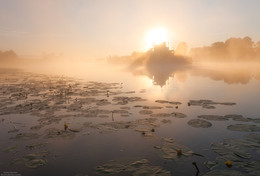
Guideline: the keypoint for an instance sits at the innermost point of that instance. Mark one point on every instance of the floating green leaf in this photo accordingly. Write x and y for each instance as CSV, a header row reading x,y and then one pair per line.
x,y
244,127
198,123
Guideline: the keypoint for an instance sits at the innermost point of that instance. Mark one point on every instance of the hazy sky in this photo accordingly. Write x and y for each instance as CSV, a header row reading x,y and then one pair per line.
x,y
98,28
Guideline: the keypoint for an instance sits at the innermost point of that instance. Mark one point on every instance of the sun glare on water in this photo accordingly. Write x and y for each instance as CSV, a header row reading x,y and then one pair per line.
x,y
156,36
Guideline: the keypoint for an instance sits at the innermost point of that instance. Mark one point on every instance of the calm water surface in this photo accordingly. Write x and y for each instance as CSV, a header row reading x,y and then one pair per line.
x,y
81,154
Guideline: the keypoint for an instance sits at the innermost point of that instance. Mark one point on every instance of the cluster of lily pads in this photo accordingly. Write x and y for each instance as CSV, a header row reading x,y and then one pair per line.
x,y
137,168
208,104
55,102
242,154
203,123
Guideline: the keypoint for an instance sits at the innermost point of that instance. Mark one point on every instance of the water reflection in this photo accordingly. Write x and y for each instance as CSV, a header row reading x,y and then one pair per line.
x,y
240,73
159,64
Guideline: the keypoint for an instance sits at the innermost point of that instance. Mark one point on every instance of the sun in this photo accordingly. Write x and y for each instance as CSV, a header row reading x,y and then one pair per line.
x,y
156,36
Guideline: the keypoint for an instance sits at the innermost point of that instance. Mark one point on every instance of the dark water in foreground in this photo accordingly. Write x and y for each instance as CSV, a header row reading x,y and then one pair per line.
x,y
118,117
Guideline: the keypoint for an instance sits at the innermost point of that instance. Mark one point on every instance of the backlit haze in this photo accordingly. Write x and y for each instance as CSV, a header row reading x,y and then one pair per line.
x,y
129,87
97,29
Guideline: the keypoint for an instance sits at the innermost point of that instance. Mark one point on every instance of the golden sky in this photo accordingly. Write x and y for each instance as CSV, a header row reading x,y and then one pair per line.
x,y
99,28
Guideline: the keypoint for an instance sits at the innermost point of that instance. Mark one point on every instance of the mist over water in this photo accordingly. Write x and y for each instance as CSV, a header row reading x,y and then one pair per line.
x,y
121,88
156,110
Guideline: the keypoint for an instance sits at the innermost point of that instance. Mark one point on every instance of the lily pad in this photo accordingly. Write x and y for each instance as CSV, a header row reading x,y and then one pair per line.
x,y
114,126
81,174
228,149
103,116
238,151
161,101
34,163
179,115
210,164
10,149
110,168
57,133
102,102
120,111
32,160
13,131
35,160
125,108
26,136
174,102
257,120
198,123
36,145
244,128
36,127
162,115
237,117
170,149
96,112
145,112
166,121
208,104
137,168
225,173
151,107
253,168
170,102
125,100
213,117
87,124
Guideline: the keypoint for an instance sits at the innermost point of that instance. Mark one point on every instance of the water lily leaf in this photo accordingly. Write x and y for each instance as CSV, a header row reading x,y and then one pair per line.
x,y
36,145
161,101
36,127
34,163
257,120
213,117
13,131
125,100
211,164
57,133
151,107
166,121
238,151
10,149
172,150
162,115
224,173
32,160
208,104
179,115
102,102
113,126
137,168
244,127
253,167
145,112
228,149
198,123
237,117
26,136
170,102
110,168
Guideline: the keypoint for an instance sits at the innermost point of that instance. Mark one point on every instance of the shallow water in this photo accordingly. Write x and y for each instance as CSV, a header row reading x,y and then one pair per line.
x,y
117,117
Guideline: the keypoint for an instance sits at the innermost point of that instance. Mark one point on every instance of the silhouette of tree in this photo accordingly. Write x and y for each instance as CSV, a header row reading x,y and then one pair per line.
x,y
235,49
7,54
